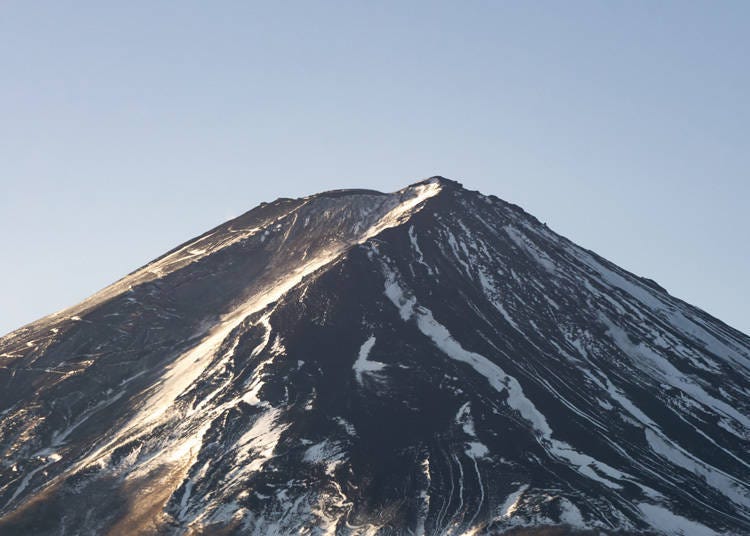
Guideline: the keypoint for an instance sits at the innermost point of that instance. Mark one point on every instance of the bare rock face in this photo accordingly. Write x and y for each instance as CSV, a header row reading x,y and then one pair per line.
x,y
432,361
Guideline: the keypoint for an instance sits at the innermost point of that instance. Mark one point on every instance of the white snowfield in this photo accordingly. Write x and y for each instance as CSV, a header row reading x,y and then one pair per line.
x,y
363,365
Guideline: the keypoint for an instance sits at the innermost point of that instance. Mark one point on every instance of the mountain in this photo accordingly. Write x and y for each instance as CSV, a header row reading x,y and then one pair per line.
x,y
431,361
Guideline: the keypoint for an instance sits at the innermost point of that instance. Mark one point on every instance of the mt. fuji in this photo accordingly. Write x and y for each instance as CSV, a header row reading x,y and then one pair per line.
x,y
432,361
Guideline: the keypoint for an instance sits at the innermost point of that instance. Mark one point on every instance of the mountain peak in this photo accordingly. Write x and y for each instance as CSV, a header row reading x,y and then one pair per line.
x,y
442,181
437,181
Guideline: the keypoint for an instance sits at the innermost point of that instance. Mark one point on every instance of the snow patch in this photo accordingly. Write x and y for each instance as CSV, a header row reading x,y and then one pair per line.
x,y
715,478
670,523
398,214
324,451
362,365
415,246
512,502
570,514
256,446
530,248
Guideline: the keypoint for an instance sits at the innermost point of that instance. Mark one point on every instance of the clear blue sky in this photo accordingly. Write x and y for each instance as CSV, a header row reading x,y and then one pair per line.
x,y
128,127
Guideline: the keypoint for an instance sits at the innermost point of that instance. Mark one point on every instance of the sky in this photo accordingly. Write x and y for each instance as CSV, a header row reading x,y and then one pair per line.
x,y
128,127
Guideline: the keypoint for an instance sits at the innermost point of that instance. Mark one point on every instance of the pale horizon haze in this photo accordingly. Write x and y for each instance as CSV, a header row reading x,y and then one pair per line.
x,y
128,128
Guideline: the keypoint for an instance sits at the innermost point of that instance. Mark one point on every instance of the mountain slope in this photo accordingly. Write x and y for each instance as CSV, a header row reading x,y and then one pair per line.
x,y
432,361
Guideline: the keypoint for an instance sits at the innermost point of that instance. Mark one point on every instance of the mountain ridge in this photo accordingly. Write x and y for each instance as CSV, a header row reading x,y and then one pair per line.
x,y
242,219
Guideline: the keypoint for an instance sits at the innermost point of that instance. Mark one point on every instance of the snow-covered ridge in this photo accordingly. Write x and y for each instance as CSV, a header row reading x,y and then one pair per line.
x,y
301,371
370,215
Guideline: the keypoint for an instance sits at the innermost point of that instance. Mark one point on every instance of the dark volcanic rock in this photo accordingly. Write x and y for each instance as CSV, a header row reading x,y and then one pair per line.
x,y
431,361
